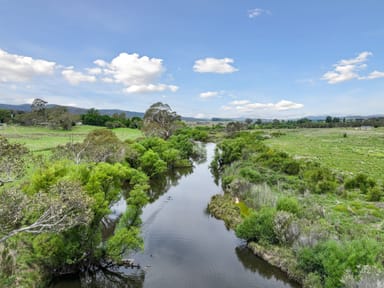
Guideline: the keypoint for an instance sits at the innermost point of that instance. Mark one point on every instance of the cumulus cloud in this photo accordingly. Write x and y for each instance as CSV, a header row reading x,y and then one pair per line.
x,y
348,69
137,74
375,74
94,71
17,68
209,94
240,102
248,107
253,13
150,88
75,77
214,65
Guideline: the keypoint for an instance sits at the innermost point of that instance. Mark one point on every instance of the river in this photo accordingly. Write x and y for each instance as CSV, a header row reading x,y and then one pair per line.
x,y
186,247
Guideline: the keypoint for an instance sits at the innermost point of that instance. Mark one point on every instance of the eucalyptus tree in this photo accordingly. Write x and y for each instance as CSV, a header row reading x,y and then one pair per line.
x,y
160,120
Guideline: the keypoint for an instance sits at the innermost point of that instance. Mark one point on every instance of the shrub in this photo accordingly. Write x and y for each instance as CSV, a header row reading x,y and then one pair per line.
x,y
285,230
360,181
291,167
258,226
331,259
374,193
152,164
251,175
288,204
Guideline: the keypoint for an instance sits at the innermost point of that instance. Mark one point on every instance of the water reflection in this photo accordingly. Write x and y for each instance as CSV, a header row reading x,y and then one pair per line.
x,y
113,278
256,265
162,183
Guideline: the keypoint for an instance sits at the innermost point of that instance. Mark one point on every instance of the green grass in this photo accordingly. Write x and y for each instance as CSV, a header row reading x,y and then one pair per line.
x,y
42,139
361,151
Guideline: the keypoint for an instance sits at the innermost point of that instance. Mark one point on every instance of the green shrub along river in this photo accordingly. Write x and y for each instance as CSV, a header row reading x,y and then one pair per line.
x,y
319,222
320,225
53,205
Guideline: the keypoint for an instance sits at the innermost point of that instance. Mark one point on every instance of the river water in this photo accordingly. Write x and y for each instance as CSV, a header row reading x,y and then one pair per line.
x,y
186,247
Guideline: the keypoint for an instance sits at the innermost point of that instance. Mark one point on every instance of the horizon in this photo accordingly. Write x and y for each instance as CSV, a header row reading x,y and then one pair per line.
x,y
320,116
206,59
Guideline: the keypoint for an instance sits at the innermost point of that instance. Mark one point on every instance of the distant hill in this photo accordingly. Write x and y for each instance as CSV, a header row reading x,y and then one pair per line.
x,y
129,114
73,110
78,110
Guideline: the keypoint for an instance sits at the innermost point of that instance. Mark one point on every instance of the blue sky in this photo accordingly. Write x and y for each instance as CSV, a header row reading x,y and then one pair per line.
x,y
205,58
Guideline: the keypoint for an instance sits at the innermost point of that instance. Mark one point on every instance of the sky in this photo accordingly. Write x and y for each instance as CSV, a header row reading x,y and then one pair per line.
x,y
205,58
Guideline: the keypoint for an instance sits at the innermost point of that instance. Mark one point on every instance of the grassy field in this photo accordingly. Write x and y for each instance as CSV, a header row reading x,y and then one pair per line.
x,y
42,139
343,149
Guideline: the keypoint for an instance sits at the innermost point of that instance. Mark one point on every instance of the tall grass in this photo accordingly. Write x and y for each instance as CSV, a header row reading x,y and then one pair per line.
x,y
38,139
343,149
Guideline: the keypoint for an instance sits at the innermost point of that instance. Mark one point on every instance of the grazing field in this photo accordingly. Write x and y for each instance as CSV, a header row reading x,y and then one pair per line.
x,y
39,139
343,149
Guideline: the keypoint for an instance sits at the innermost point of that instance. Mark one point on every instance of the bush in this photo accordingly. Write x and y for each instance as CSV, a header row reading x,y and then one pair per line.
x,y
374,193
258,226
360,181
285,230
288,204
251,175
331,259
152,164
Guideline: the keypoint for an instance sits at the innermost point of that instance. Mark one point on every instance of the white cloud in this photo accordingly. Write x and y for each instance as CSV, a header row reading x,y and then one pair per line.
x,y
252,13
137,74
200,115
214,65
375,74
246,106
150,88
287,105
239,102
94,71
130,69
75,77
17,68
209,94
348,69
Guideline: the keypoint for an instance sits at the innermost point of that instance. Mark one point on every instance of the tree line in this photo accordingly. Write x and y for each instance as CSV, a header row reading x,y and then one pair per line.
x,y
59,117
53,207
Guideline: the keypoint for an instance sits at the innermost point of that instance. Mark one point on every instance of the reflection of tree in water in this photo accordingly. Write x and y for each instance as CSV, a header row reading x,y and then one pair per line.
x,y
161,184
257,265
114,278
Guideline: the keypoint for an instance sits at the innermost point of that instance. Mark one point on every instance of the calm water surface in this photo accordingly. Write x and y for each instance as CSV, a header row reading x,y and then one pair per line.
x,y
186,247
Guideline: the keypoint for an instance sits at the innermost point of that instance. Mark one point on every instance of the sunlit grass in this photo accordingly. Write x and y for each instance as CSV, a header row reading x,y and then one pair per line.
x,y
38,139
347,150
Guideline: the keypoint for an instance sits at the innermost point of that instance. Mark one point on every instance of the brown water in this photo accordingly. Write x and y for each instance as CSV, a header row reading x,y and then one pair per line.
x,y
185,246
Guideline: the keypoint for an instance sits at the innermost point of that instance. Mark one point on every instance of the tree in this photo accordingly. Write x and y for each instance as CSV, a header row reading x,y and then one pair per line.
x,y
5,116
233,127
93,117
100,145
38,105
160,120
12,160
65,205
59,117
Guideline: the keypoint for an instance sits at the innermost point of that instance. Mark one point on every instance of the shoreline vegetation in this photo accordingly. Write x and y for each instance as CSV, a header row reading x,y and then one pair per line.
x,y
321,226
308,201
53,204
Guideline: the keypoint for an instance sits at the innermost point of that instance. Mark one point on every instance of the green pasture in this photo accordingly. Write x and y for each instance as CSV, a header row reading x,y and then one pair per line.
x,y
39,139
344,149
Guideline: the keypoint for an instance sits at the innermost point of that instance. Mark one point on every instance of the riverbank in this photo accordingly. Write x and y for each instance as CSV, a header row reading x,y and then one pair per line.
x,y
318,225
223,207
